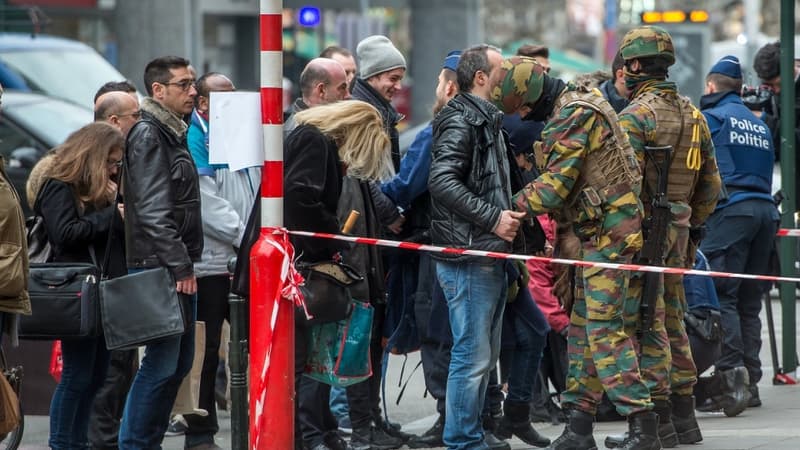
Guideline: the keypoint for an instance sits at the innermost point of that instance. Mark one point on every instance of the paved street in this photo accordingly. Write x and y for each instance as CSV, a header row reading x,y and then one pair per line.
x,y
773,426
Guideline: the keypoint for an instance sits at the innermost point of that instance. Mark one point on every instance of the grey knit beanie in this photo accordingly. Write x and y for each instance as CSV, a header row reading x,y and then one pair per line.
x,y
376,54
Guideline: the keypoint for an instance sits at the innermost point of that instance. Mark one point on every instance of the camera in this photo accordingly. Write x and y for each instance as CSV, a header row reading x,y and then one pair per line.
x,y
758,97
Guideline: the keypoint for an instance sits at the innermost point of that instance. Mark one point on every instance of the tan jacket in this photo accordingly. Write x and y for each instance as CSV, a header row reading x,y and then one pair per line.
x,y
13,250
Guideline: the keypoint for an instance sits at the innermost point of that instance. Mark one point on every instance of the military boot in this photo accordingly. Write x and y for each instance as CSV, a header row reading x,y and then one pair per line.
x,y
666,429
577,434
516,421
684,420
735,393
642,432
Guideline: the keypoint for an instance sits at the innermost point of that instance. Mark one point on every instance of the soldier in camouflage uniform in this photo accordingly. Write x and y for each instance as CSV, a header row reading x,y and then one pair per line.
x,y
592,180
659,116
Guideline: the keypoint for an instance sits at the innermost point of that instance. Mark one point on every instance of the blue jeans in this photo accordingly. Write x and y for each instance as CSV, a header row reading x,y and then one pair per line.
x,y
476,297
155,388
85,365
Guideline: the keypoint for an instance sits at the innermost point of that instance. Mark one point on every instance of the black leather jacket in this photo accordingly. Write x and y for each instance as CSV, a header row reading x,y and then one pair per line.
x,y
163,226
469,178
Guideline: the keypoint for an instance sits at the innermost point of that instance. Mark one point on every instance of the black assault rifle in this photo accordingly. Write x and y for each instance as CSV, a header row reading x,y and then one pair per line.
x,y
655,230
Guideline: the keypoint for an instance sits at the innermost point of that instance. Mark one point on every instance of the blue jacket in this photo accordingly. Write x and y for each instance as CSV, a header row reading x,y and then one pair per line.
x,y
412,179
743,146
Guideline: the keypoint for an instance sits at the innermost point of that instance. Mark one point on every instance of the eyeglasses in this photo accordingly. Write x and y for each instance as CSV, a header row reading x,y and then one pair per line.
x,y
136,114
185,85
112,164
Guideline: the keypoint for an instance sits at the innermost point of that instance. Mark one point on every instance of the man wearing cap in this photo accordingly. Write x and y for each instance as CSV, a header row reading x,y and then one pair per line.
x,y
381,71
741,232
591,180
382,68
659,116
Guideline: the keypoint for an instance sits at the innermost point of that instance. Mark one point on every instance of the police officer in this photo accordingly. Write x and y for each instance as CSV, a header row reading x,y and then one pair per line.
x,y
741,231
659,116
592,180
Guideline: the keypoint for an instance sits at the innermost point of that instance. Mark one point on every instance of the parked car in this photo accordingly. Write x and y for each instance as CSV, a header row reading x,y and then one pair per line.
x,y
54,66
30,125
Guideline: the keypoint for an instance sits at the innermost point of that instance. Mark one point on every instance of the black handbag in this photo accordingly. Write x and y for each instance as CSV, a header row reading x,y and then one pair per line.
x,y
141,308
64,301
64,296
326,293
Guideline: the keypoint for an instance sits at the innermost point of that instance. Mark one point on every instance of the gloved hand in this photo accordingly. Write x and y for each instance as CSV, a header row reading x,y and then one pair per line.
x,y
520,282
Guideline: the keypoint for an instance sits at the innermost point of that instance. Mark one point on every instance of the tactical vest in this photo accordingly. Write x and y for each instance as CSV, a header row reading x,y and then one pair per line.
x,y
743,148
606,169
674,124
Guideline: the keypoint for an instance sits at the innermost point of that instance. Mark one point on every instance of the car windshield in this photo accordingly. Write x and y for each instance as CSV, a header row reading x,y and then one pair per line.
x,y
73,75
52,120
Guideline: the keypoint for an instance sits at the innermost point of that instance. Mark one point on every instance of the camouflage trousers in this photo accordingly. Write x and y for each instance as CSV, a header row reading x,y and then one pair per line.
x,y
601,354
667,369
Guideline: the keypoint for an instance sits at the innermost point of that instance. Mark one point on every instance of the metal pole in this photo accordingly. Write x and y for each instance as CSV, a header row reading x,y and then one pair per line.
x,y
787,247
272,318
237,361
751,16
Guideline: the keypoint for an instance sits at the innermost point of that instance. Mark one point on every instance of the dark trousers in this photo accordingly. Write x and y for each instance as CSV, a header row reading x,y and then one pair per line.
x,y
314,419
109,402
212,308
434,353
740,239
364,398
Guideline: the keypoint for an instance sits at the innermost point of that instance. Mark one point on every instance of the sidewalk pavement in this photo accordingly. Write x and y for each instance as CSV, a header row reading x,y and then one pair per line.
x,y
773,426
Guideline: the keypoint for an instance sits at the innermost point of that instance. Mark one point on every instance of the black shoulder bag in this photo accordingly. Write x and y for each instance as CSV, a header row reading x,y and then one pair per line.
x,y
140,308
64,295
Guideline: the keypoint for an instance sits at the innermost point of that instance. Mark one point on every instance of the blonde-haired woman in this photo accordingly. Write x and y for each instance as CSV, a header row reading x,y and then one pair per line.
x,y
75,194
330,142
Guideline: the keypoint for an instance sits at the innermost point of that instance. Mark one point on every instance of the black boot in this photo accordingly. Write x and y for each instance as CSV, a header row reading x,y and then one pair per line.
x,y
684,420
434,437
666,430
755,399
642,432
735,393
577,434
516,421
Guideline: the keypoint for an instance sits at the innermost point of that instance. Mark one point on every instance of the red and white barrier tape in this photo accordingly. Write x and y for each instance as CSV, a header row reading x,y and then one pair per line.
x,y
789,232
570,262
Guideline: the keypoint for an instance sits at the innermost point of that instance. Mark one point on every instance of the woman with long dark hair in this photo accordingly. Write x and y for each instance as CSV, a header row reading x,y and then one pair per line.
x,y
76,199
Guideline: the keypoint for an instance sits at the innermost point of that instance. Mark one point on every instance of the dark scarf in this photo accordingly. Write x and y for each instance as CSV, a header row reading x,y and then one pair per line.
x,y
543,109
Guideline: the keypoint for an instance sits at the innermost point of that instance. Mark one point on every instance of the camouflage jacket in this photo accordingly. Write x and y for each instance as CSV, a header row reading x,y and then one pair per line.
x,y
614,223
639,120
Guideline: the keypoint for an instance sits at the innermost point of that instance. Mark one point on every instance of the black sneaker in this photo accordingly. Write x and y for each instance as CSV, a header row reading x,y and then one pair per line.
x,y
177,426
434,437
392,429
373,438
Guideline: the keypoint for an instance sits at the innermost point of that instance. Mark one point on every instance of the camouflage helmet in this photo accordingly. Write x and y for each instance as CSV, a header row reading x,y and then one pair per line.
x,y
520,83
647,41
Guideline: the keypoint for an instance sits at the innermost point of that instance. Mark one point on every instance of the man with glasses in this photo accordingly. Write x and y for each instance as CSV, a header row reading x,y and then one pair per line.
x,y
163,227
119,109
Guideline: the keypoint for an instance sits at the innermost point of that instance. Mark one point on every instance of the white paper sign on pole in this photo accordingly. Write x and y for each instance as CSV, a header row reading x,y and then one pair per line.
x,y
234,132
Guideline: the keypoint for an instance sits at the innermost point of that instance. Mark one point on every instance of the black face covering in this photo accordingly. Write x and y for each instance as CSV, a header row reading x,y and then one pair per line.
x,y
543,108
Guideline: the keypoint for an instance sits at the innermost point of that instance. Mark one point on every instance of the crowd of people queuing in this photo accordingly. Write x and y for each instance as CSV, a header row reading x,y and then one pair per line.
x,y
513,160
